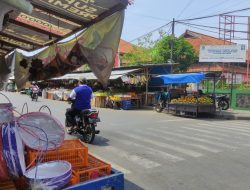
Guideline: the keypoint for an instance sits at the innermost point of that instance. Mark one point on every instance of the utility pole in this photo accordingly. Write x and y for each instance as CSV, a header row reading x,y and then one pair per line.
x,y
248,50
172,45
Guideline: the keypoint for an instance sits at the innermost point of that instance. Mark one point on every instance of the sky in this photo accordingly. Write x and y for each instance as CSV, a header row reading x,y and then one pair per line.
x,y
145,16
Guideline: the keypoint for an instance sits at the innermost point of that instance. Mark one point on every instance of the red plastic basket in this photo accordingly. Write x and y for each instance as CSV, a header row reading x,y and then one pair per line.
x,y
7,185
72,151
95,168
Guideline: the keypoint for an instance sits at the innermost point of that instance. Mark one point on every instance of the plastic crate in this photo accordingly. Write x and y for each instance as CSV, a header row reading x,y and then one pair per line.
x,y
74,179
72,151
126,104
114,181
7,185
95,169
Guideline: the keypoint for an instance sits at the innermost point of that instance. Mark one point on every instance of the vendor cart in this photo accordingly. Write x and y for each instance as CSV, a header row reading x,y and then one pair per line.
x,y
192,110
185,108
114,181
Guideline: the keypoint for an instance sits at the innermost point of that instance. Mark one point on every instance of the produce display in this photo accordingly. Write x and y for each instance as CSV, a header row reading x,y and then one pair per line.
x,y
100,93
192,100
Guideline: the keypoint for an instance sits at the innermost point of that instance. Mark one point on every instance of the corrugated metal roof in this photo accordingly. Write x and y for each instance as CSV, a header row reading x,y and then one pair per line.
x,y
90,76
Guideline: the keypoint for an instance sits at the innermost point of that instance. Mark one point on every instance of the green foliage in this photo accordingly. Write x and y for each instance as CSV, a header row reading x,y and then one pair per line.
x,y
137,56
159,51
183,52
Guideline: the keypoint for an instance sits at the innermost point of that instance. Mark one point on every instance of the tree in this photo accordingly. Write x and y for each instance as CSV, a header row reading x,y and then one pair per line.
x,y
137,56
141,53
183,52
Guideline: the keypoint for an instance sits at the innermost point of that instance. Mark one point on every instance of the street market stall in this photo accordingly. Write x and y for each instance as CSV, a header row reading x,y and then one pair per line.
x,y
123,88
192,104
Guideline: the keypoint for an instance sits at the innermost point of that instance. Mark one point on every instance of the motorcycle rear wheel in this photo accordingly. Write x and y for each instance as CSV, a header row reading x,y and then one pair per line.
x,y
89,136
224,105
68,127
158,108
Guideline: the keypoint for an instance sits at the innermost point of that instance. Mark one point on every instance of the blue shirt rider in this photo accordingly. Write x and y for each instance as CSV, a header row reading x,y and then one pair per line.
x,y
81,96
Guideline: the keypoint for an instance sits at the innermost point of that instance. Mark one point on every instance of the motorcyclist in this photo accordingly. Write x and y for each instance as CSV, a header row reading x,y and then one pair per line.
x,y
81,96
163,96
34,88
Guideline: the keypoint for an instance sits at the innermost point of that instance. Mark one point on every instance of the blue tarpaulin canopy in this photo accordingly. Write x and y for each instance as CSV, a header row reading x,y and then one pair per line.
x,y
182,78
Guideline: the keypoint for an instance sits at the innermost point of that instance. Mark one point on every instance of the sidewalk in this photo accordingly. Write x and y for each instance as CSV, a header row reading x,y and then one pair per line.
x,y
229,114
234,114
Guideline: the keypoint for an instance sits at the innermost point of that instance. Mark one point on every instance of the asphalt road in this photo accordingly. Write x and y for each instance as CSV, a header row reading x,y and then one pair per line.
x,y
164,152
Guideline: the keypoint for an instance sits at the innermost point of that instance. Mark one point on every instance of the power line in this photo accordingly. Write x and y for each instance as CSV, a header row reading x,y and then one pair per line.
x,y
215,15
209,8
211,27
151,31
236,4
197,18
197,27
186,6
149,16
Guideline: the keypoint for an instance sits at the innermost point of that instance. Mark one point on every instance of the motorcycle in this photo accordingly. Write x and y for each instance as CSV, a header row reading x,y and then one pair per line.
x,y
222,102
85,124
34,96
160,106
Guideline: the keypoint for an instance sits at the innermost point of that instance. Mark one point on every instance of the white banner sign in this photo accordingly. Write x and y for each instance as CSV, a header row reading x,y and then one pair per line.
x,y
223,53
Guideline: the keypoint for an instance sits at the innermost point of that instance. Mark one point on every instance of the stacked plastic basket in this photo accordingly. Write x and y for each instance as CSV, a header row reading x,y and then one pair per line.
x,y
84,165
35,155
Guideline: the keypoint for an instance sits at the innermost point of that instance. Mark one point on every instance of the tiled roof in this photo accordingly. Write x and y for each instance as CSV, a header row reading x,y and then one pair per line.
x,y
197,39
125,47
217,68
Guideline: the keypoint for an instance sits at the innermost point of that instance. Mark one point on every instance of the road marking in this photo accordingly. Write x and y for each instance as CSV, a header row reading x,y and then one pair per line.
x,y
237,139
204,131
113,165
199,139
237,126
203,147
153,151
240,123
171,120
165,145
201,135
144,162
229,126
209,149
224,129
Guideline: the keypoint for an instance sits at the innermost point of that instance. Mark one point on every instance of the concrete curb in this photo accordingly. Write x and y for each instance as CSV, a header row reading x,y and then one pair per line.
x,y
231,117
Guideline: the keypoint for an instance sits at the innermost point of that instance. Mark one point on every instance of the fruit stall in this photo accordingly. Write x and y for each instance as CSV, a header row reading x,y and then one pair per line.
x,y
191,104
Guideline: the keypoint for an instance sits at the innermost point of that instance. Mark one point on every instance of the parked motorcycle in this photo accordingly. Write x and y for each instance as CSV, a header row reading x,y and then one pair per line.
x,y
222,102
86,123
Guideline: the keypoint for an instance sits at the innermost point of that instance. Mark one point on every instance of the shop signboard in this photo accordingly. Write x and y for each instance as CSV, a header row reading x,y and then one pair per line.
x,y
223,53
42,24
